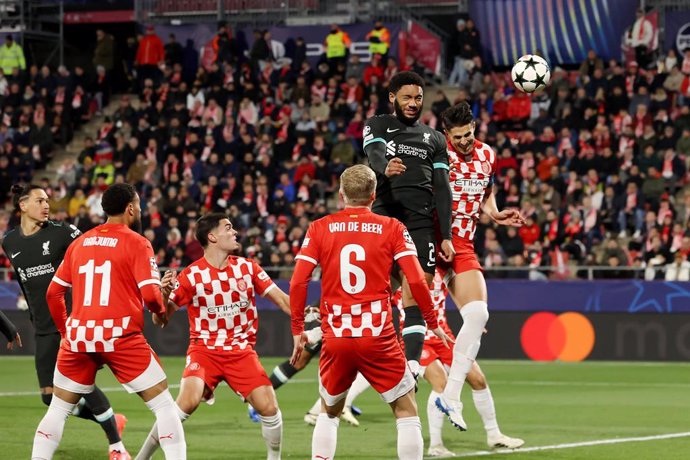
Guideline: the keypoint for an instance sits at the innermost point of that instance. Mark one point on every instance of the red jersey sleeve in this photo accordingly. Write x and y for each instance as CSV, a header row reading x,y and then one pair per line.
x,y
402,242
144,266
309,251
183,292
262,282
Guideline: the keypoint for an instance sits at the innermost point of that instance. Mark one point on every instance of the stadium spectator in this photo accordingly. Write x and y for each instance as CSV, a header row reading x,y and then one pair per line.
x,y
11,57
150,54
104,53
379,40
641,38
337,46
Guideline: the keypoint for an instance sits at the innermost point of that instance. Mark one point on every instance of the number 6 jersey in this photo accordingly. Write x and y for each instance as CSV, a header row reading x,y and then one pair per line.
x,y
356,250
106,268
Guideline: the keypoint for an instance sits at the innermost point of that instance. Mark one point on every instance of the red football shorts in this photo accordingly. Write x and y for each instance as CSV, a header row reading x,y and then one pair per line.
x,y
434,349
240,369
465,258
380,360
134,364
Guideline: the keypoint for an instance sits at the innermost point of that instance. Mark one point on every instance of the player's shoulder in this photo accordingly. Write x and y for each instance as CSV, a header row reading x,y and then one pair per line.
x,y
378,121
484,151
10,236
62,227
245,264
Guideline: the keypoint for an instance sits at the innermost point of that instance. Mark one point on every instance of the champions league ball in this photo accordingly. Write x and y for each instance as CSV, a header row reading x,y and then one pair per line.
x,y
530,73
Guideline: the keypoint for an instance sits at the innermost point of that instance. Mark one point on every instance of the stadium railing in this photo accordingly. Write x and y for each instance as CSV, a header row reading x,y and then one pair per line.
x,y
563,273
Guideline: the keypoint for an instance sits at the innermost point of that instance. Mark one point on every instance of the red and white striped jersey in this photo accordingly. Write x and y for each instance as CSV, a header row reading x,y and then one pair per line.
x,y
221,304
468,182
439,292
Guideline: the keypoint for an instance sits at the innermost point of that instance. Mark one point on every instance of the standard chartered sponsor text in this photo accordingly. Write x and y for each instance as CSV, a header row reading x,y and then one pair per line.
x,y
39,270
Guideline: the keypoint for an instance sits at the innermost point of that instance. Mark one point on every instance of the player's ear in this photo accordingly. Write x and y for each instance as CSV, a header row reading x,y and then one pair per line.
x,y
391,97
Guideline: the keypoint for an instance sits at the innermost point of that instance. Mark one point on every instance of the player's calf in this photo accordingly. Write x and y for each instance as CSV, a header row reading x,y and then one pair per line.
x,y
50,429
413,337
282,373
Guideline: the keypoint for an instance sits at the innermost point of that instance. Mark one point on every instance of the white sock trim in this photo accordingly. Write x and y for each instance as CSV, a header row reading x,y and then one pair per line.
x,y
272,420
100,418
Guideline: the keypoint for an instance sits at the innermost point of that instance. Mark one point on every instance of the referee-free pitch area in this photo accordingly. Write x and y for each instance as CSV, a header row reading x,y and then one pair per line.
x,y
591,410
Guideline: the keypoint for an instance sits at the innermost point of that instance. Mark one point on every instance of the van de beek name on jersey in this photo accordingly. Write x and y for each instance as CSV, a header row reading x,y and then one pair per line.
x,y
100,241
363,227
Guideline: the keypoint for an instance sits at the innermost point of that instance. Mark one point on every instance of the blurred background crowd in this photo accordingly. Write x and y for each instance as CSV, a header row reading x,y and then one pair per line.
x,y
598,163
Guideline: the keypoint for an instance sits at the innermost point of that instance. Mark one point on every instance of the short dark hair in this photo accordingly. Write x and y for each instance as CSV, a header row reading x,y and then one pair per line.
x,y
401,79
20,192
206,224
116,198
457,115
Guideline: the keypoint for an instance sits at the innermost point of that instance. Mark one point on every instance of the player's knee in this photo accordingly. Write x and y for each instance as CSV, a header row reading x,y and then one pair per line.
x,y
268,409
476,380
475,313
46,398
187,403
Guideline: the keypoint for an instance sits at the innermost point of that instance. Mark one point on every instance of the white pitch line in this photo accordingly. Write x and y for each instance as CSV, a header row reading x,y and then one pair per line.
x,y
590,384
35,393
116,389
482,453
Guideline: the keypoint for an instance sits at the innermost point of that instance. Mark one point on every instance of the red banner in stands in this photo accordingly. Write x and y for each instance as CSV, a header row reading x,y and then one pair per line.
x,y
423,46
98,17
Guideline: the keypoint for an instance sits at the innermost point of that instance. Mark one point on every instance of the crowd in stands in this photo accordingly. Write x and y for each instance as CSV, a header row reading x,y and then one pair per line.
x,y
598,163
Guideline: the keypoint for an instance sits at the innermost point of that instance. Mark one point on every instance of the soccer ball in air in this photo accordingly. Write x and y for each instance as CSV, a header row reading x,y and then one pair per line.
x,y
530,73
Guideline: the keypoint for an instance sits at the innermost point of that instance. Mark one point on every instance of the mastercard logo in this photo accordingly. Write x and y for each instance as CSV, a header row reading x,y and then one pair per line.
x,y
546,336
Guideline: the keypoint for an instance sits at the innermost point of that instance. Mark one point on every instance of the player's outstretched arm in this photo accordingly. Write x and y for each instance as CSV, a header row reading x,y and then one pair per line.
x,y
280,299
510,217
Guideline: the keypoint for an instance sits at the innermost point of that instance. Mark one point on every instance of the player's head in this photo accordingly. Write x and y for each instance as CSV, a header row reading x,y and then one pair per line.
x,y
458,124
406,92
358,186
31,201
215,229
120,202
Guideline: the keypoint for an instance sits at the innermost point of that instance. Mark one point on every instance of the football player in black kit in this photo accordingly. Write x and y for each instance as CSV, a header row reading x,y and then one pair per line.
x,y
36,248
411,164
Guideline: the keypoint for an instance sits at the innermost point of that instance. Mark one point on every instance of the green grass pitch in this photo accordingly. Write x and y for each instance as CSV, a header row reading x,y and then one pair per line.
x,y
547,404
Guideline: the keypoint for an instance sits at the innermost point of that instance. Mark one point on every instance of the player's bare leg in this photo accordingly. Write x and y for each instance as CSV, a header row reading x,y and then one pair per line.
x,y
188,400
484,402
468,291
415,329
50,429
264,401
325,437
437,377
410,441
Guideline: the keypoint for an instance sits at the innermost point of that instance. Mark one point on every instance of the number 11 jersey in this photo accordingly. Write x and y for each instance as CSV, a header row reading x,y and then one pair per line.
x,y
106,267
356,250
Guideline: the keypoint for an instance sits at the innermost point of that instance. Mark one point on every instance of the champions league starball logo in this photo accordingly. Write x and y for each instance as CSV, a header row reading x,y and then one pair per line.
x,y
683,37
